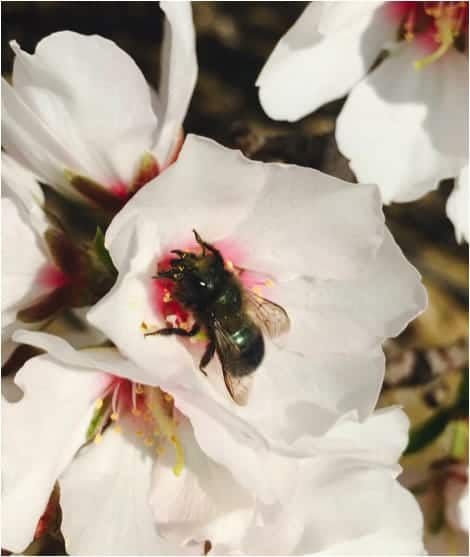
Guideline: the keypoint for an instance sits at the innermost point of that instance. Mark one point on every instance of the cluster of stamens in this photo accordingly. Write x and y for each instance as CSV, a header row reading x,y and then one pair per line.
x,y
440,25
153,411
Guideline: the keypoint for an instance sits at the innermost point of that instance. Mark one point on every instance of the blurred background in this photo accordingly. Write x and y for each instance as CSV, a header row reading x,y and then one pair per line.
x,y
426,364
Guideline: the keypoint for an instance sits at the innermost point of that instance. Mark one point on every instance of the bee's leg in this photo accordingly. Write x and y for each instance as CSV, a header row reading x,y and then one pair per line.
x,y
207,357
178,331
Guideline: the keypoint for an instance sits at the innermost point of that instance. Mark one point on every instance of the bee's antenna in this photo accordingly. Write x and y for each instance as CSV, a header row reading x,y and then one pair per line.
x,y
200,241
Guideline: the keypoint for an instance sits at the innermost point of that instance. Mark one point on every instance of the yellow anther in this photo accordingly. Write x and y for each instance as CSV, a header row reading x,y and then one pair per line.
x,y
168,397
167,296
99,403
136,412
160,450
229,265
144,326
269,283
256,290
114,416
139,389
139,433
148,441
117,428
98,438
184,325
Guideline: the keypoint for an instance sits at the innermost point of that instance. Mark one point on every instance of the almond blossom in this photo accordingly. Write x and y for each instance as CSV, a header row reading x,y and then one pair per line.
x,y
404,125
82,117
304,240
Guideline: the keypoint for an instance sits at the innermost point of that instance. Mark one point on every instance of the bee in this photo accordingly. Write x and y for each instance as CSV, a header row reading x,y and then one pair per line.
x,y
233,318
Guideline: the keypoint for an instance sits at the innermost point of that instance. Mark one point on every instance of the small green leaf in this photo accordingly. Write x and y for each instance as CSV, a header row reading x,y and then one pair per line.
x,y
102,253
424,434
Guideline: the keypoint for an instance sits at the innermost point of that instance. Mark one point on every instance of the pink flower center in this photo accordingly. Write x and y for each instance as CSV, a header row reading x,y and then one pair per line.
x,y
435,26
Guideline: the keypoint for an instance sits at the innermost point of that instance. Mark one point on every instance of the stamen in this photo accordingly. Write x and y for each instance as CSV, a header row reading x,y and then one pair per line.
x,y
179,464
99,404
155,400
134,400
114,400
446,41
114,416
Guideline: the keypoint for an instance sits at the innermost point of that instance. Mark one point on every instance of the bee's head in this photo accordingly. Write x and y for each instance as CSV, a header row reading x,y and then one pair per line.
x,y
196,276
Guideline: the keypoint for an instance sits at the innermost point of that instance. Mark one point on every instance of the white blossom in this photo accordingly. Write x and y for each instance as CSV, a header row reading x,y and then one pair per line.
x,y
404,125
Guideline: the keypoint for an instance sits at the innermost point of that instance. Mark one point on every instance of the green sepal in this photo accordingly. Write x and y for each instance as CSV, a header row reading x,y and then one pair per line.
x,y
95,422
102,253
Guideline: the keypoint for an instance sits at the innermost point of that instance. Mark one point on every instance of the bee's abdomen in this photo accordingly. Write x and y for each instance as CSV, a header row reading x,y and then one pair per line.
x,y
251,344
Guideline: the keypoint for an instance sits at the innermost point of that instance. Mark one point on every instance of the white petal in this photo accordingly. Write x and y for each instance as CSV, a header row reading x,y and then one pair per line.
x,y
457,206
350,316
20,267
20,184
307,223
400,531
236,444
369,435
105,499
406,129
329,48
103,359
40,435
29,140
203,503
93,99
178,73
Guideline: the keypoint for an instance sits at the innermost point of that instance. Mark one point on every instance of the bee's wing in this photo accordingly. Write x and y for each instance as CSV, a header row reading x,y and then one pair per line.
x,y
229,356
270,317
